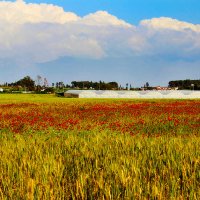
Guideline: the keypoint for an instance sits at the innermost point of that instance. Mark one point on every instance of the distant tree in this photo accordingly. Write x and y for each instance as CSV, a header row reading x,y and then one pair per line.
x,y
67,86
57,85
49,90
113,85
26,83
61,84
185,84
100,85
127,86
74,84
46,84
38,81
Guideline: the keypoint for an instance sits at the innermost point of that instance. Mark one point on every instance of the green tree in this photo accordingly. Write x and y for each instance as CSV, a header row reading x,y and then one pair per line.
x,y
26,83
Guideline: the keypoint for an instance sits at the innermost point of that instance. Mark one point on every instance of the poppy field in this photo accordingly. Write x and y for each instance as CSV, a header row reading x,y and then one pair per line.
x,y
57,148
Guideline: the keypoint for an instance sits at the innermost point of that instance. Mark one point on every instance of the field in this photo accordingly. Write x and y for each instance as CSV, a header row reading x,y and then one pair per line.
x,y
57,148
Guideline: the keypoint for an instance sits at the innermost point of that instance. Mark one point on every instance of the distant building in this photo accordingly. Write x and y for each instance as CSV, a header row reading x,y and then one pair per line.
x,y
163,88
159,88
166,88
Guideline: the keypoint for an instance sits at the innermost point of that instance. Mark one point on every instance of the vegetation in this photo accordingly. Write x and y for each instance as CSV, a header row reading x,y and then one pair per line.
x,y
55,148
95,85
186,84
93,165
26,83
41,85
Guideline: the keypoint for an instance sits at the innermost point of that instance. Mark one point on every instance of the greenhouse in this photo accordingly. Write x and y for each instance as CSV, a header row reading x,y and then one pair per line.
x,y
167,94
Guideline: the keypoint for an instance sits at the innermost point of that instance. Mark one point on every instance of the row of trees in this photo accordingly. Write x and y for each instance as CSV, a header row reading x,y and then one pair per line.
x,y
28,84
94,85
41,84
185,84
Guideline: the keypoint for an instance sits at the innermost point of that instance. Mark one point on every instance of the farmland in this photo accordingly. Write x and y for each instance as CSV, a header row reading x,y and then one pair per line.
x,y
56,148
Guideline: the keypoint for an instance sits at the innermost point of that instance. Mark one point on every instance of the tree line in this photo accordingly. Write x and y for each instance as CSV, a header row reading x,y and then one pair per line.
x,y
41,84
101,85
28,84
185,84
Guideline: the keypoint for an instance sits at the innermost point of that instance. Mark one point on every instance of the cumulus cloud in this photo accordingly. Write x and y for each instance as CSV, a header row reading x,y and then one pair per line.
x,y
44,32
103,18
20,12
171,37
169,23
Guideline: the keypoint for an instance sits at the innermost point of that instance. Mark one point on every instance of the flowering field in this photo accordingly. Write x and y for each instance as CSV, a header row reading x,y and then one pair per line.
x,y
54,148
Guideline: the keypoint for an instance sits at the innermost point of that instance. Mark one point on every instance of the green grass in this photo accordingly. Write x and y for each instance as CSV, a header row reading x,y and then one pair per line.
x,y
52,98
37,98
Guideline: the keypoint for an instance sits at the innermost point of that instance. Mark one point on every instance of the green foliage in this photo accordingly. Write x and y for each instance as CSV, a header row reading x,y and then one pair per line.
x,y
185,84
95,85
26,83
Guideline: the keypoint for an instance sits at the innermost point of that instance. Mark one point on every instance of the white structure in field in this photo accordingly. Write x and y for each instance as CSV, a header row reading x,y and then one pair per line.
x,y
168,94
1,89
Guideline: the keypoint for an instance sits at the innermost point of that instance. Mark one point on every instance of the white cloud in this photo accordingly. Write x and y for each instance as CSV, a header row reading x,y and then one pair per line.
x,y
171,38
20,12
169,23
45,32
103,18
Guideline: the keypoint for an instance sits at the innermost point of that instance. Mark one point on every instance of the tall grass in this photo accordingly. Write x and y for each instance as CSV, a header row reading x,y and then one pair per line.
x,y
98,165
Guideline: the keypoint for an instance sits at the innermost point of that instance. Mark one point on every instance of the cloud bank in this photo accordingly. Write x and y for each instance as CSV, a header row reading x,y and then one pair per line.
x,y
39,33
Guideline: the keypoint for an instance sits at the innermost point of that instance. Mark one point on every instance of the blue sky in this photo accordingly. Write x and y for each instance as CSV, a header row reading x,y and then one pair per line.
x,y
134,10
130,42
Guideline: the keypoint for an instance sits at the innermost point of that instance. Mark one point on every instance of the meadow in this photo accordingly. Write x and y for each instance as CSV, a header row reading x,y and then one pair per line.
x,y
57,148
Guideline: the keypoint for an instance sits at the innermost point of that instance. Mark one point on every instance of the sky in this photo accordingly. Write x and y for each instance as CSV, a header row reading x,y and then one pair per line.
x,y
109,40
